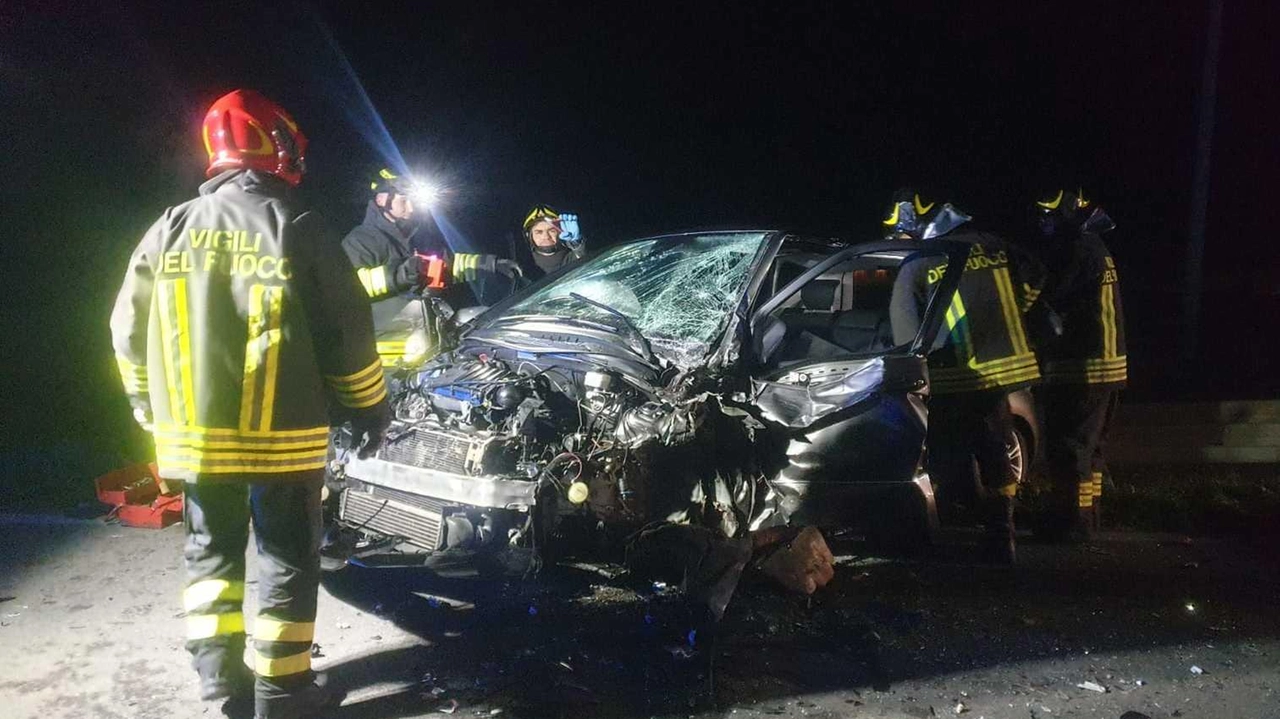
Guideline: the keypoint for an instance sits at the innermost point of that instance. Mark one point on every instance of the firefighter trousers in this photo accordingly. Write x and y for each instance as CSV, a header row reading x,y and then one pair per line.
x,y
1077,419
968,431
285,514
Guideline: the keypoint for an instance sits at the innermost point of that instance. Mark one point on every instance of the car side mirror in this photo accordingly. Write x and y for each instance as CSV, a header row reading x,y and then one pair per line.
x,y
766,338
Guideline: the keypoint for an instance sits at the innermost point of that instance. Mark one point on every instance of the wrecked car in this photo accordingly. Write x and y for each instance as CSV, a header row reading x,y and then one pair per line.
x,y
734,381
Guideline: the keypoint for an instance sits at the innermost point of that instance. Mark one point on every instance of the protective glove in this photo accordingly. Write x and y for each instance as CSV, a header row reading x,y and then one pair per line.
x,y
369,427
411,272
508,268
570,234
467,267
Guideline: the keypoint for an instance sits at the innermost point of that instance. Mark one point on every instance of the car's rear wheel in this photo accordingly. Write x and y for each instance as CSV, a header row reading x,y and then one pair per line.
x,y
1019,454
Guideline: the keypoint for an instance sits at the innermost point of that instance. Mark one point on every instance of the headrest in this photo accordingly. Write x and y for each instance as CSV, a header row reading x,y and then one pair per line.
x,y
819,295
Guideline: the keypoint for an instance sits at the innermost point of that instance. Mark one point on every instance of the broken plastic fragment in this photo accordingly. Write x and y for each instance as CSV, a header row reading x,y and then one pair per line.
x,y
1093,687
1196,670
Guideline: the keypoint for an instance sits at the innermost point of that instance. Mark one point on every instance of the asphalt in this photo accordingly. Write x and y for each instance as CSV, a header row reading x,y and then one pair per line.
x,y
1163,625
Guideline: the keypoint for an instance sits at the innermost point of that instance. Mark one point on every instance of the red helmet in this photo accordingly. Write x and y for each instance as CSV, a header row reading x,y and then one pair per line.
x,y
244,130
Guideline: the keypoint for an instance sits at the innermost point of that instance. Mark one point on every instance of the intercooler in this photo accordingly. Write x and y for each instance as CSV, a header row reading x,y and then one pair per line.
x,y
438,450
394,513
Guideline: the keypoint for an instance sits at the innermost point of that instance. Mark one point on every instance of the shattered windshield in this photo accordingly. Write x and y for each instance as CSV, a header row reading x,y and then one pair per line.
x,y
678,291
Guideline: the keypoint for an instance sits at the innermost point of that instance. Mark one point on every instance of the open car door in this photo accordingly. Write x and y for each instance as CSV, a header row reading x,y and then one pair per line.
x,y
829,374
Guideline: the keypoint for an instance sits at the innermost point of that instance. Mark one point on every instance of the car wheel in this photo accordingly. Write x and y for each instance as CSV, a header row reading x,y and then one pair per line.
x,y
1019,455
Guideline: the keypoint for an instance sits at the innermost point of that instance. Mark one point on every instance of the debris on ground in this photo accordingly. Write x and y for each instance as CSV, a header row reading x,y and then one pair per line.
x,y
960,708
316,652
449,707
1093,687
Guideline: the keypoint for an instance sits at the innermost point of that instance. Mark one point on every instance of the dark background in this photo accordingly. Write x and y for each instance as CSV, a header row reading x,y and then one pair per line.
x,y
643,118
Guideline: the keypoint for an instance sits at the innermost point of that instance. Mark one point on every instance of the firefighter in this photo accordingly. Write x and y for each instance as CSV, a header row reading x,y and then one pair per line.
x,y
552,239
390,250
984,355
235,315
1086,367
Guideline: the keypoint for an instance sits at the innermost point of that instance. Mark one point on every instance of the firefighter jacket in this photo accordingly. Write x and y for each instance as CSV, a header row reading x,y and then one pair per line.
x,y
236,312
1084,289
984,343
379,252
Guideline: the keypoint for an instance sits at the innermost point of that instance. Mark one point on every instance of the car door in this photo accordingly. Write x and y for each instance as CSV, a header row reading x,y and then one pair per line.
x,y
828,374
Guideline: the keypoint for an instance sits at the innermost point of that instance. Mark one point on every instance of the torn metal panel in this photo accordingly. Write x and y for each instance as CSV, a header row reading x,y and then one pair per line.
x,y
798,399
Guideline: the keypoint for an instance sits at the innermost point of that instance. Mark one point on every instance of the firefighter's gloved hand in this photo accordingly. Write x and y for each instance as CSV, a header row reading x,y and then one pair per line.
x,y
507,268
570,234
467,266
412,272
369,427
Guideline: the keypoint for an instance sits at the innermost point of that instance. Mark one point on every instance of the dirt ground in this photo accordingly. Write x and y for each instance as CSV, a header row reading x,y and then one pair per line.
x,y
91,626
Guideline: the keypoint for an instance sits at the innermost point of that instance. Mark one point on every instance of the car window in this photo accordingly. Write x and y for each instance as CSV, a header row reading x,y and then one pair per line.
x,y
844,311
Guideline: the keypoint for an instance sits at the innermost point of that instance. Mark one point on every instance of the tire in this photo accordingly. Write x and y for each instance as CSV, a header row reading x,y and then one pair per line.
x,y
1020,456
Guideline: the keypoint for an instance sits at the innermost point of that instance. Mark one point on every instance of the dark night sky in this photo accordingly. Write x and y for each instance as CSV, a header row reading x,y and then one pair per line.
x,y
643,117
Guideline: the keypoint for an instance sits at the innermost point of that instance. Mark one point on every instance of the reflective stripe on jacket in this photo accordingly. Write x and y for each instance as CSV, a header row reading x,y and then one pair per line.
x,y
983,343
1085,291
236,312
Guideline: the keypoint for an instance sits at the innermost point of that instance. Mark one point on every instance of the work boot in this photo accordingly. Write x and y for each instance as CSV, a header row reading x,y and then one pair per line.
x,y
236,681
999,542
312,701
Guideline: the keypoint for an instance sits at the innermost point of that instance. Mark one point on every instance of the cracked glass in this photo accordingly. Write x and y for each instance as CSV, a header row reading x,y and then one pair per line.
x,y
678,291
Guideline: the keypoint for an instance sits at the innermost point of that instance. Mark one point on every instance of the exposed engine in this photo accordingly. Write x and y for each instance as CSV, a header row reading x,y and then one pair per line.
x,y
487,454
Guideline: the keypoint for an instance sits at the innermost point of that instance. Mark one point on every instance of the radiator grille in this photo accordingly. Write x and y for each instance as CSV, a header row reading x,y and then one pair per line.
x,y
430,449
391,512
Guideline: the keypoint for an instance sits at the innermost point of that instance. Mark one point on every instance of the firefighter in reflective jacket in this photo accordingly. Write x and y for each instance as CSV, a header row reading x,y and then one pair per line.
x,y
1085,368
390,250
236,313
984,355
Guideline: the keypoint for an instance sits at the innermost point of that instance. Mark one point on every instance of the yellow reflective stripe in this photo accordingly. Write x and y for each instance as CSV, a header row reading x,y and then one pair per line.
x,y
378,281
1108,303
366,280
1009,304
309,432
208,466
359,377
209,591
368,402
167,442
464,262
266,629
1009,490
134,376
206,626
265,666
179,452
252,358
168,331
275,310
361,389
955,319
261,356
184,349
